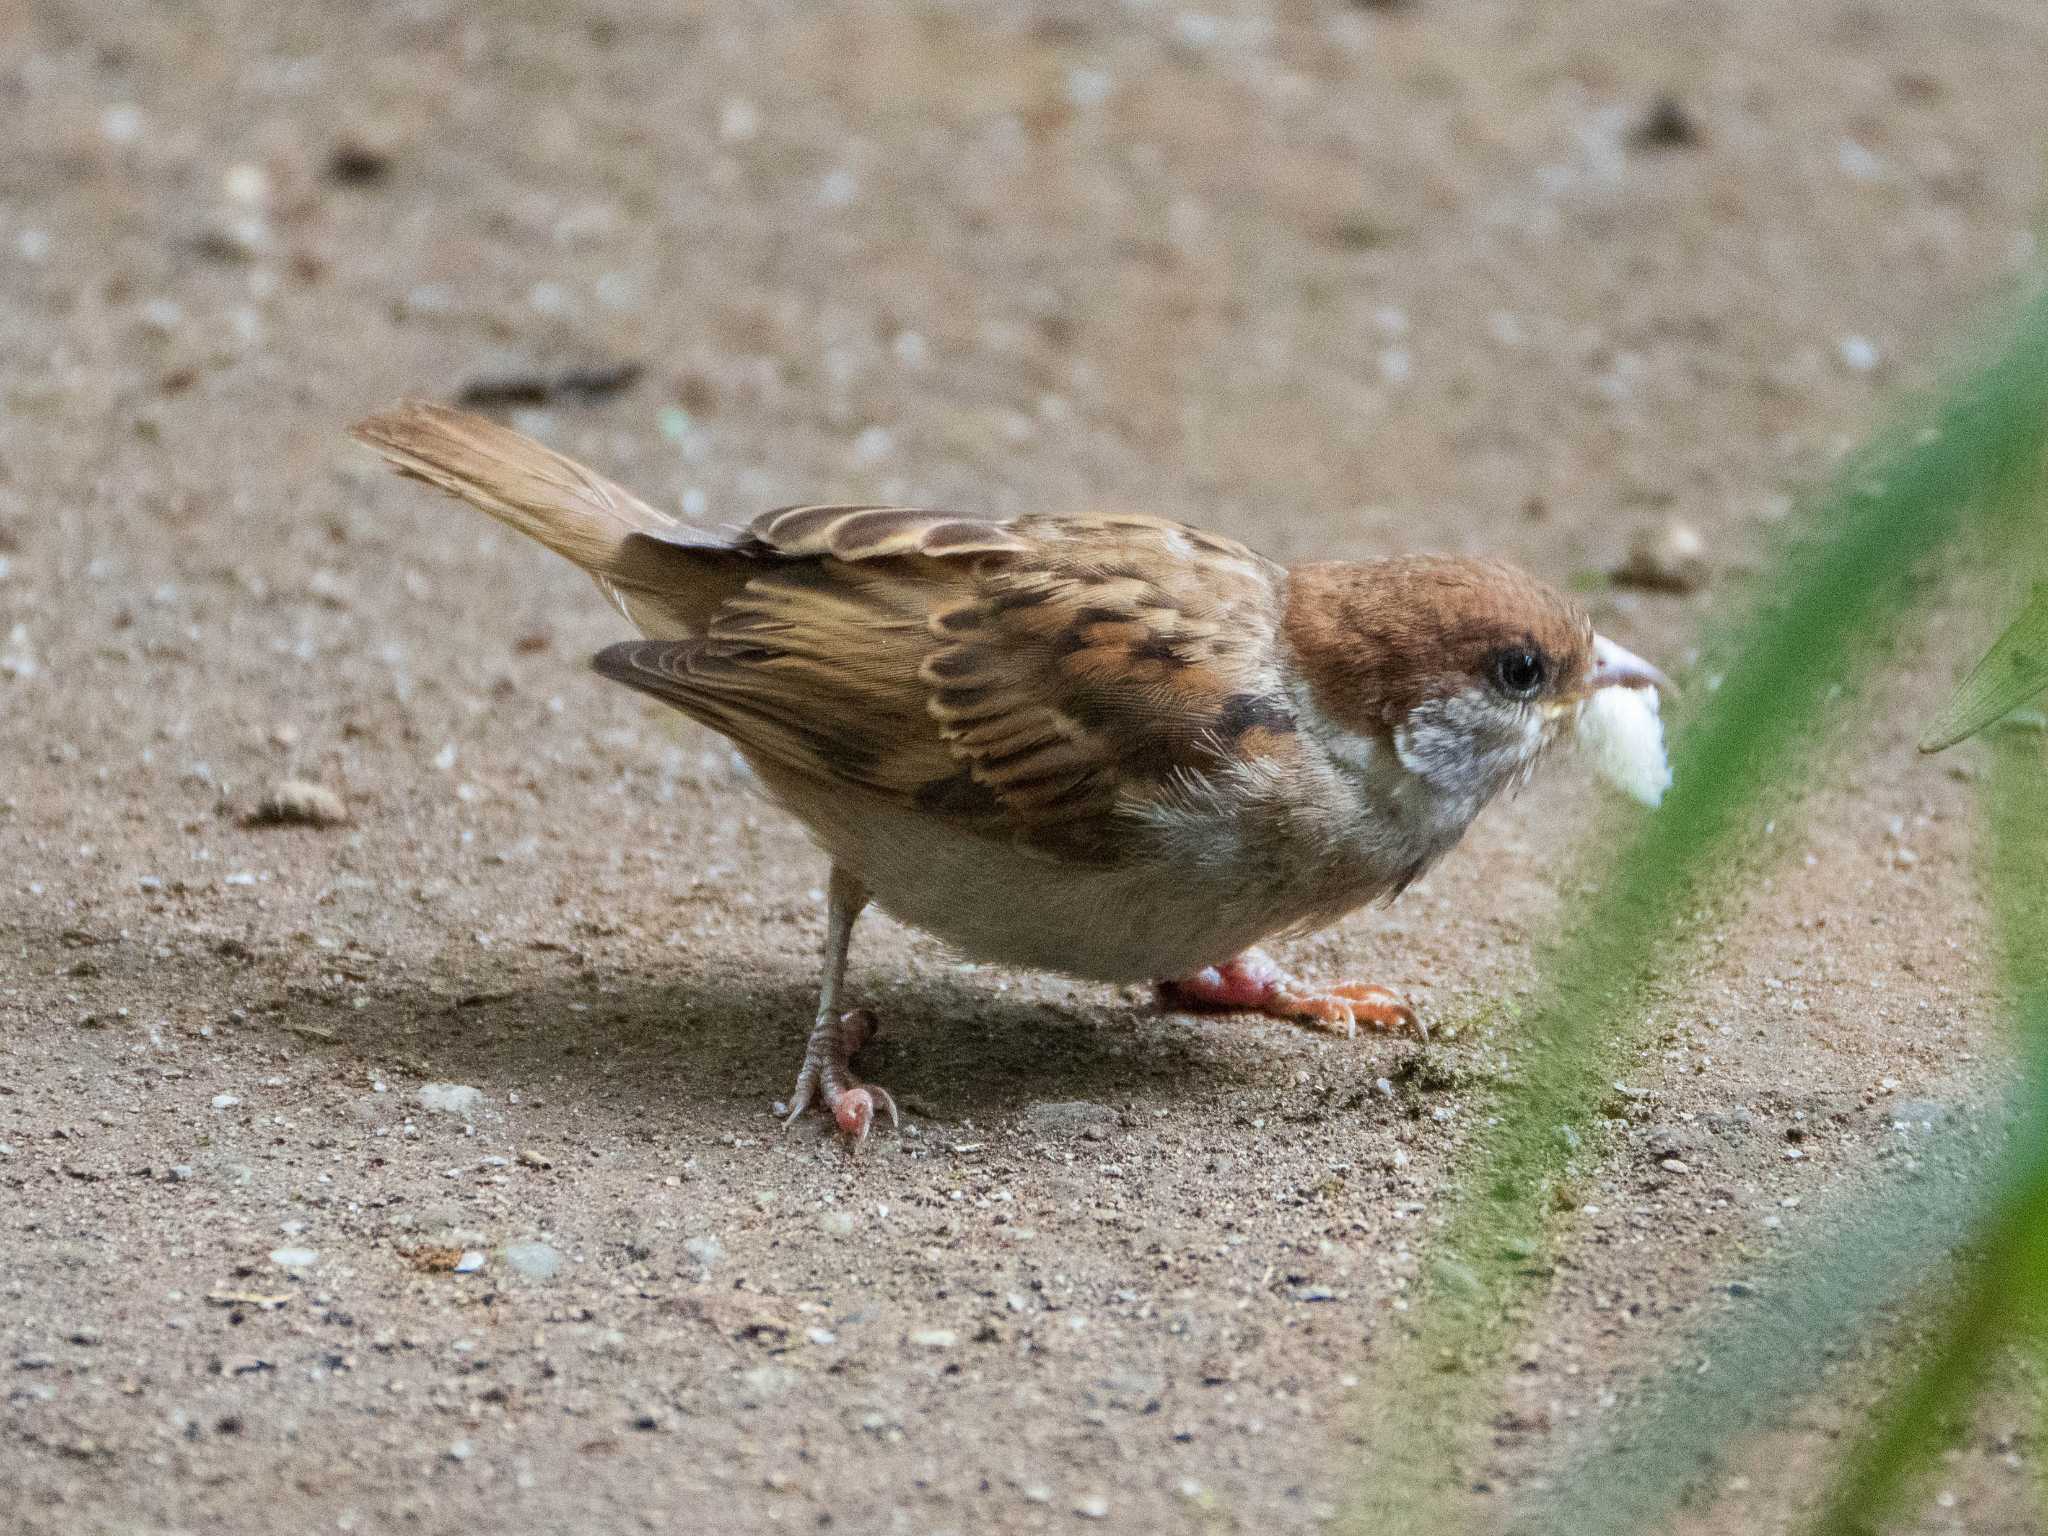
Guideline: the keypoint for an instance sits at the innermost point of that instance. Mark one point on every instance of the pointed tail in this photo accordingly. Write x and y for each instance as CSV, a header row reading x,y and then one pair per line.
x,y
575,511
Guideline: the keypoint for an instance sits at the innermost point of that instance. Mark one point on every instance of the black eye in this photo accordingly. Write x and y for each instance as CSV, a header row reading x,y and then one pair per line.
x,y
1521,671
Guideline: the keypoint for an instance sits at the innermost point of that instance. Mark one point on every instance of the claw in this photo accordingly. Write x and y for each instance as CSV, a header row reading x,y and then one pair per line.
x,y
1253,982
827,1075
1377,1007
855,1111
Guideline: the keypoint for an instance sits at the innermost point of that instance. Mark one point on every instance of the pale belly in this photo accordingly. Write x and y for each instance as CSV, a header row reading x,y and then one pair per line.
x,y
996,904
1149,921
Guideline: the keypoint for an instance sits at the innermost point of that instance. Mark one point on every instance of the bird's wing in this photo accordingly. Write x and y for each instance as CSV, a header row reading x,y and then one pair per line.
x,y
1046,679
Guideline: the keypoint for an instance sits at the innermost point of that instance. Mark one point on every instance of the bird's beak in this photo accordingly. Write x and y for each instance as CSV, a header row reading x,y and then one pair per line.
x,y
1616,666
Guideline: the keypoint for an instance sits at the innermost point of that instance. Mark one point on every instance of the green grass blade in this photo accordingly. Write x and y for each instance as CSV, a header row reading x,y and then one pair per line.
x,y
1886,1244
2006,1295
1893,506
1802,1312
2012,672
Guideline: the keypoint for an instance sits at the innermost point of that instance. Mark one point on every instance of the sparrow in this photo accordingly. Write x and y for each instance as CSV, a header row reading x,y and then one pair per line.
x,y
1106,745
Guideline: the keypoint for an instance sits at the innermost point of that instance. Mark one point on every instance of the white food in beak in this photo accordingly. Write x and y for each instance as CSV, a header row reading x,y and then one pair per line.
x,y
1622,731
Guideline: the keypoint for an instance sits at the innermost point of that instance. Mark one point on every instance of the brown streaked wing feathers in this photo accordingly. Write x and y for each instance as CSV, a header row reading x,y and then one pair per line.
x,y
1070,671
1036,678
874,533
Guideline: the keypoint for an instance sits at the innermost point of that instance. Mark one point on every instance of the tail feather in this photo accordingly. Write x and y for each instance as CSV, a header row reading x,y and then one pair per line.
x,y
573,510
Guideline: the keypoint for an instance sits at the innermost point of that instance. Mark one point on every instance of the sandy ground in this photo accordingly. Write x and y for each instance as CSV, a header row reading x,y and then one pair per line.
x,y
1334,278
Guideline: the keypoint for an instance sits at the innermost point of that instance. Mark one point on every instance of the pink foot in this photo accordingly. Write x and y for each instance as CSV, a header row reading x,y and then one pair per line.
x,y
1252,982
827,1075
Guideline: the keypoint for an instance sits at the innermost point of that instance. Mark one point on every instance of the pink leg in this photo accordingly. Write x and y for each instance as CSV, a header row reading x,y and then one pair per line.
x,y
837,1036
826,1075
1252,982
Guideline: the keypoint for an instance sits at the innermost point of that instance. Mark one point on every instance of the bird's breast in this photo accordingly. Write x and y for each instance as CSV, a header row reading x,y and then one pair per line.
x,y
1199,881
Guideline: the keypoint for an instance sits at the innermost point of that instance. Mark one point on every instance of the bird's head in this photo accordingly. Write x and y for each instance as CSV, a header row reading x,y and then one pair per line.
x,y
1469,669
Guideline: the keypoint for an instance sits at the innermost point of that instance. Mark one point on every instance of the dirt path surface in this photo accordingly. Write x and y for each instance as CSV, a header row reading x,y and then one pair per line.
x,y
1334,278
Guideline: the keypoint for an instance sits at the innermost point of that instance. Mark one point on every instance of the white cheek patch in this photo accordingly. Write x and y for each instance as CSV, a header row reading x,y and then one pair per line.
x,y
1623,733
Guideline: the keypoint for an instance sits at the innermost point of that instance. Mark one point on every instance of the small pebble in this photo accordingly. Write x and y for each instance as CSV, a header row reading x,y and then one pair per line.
x,y
1093,1507
121,124
469,1263
225,1101
235,237
767,1382
359,161
450,1099
738,120
536,1261
246,184
162,317
934,1338
1667,125
298,802
1092,1121
1669,558
1918,1112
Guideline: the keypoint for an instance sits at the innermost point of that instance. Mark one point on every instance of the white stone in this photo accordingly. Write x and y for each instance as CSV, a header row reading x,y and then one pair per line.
x,y
450,1099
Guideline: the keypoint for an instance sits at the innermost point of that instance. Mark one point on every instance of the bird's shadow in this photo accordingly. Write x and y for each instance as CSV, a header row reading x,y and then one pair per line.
x,y
951,1047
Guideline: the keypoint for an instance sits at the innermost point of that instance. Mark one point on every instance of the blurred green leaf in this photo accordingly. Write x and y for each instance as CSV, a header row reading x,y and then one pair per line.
x,y
2012,672
1817,625
1976,1184
2004,1295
